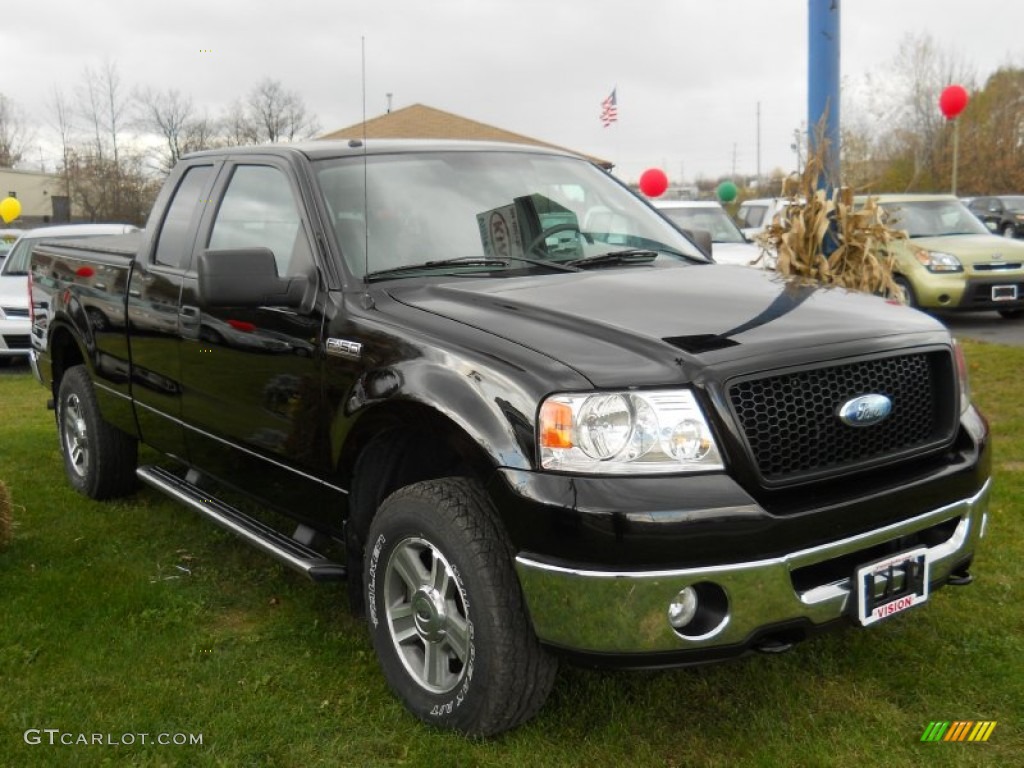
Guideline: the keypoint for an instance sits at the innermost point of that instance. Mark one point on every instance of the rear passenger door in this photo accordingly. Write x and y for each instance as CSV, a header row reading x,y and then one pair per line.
x,y
152,305
252,402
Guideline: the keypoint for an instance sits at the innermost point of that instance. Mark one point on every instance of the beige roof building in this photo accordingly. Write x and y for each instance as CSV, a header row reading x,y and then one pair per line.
x,y
422,122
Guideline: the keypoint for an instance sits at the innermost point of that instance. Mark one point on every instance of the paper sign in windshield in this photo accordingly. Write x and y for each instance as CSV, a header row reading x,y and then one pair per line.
x,y
500,232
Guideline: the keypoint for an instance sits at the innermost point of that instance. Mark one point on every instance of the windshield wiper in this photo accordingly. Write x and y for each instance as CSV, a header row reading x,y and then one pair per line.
x,y
628,256
469,261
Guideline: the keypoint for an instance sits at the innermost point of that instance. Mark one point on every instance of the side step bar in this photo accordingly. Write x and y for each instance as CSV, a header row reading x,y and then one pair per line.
x,y
292,553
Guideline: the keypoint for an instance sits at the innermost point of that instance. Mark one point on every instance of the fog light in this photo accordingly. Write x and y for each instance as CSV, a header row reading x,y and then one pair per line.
x,y
682,610
699,611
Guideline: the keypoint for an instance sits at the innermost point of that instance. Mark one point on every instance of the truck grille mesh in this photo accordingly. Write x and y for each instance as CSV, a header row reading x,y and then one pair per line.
x,y
791,424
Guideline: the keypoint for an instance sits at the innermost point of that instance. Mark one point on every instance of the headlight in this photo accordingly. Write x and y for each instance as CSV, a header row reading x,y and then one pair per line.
x,y
937,261
626,432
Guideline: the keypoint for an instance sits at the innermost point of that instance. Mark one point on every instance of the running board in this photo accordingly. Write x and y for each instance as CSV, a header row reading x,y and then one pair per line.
x,y
292,553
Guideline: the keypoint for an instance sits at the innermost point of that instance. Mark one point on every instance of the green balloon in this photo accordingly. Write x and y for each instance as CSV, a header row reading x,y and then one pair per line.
x,y
727,191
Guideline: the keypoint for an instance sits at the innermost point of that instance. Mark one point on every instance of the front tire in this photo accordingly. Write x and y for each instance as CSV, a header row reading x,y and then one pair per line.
x,y
99,459
446,614
910,299
1009,231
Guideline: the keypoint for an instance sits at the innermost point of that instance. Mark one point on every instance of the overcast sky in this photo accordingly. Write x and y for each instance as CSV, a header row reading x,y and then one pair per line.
x,y
689,73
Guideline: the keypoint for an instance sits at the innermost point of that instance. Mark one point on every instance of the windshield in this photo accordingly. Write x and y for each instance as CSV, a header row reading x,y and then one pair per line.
x,y
751,215
7,242
933,218
495,205
709,218
16,262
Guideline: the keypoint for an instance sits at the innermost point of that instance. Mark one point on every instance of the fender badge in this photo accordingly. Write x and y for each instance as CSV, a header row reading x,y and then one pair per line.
x,y
352,350
865,411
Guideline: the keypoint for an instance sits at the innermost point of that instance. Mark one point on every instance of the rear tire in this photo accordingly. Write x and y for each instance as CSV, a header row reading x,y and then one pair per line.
x,y
446,613
1011,314
1009,231
99,459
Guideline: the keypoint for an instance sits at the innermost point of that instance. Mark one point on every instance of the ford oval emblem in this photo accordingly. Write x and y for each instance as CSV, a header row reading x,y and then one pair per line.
x,y
865,410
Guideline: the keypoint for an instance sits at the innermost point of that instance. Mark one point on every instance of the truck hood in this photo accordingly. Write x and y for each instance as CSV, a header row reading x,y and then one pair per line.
x,y
646,326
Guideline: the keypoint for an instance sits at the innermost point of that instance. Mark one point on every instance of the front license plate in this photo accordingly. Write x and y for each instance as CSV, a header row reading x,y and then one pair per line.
x,y
1004,293
890,586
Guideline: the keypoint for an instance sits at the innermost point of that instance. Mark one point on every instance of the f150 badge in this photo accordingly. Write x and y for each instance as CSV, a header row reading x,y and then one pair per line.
x,y
344,348
865,410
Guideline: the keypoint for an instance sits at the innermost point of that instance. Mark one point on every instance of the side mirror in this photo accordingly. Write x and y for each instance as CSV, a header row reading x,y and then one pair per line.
x,y
701,238
247,277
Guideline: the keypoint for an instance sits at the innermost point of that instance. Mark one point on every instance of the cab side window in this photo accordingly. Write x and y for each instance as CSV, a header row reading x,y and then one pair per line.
x,y
174,243
259,210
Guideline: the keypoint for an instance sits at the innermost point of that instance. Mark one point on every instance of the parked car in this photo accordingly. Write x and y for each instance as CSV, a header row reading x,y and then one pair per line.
x,y
14,315
951,261
754,216
7,239
729,245
1003,214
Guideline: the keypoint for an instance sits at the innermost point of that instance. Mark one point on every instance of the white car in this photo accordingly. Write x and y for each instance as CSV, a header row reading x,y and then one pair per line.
x,y
754,216
14,320
728,244
8,237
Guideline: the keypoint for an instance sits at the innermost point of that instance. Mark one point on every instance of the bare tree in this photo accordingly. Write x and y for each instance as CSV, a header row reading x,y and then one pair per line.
x,y
166,113
105,191
269,114
992,136
61,122
14,134
107,178
902,139
275,114
201,132
236,128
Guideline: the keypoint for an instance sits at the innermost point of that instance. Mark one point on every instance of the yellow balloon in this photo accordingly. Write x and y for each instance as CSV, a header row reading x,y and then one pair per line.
x,y
10,209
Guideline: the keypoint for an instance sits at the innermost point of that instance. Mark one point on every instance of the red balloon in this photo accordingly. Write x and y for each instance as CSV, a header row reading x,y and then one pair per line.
x,y
953,101
653,182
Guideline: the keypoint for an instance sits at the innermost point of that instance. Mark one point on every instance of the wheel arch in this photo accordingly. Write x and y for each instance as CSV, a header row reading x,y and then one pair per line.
x,y
393,445
65,353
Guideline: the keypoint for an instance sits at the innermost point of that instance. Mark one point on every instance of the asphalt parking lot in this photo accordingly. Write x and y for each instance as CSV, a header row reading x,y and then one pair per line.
x,y
985,326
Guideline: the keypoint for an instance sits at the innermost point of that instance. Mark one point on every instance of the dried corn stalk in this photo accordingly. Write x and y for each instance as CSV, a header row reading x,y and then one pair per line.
x,y
856,239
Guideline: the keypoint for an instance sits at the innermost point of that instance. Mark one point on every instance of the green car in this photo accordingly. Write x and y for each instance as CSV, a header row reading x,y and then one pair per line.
x,y
951,260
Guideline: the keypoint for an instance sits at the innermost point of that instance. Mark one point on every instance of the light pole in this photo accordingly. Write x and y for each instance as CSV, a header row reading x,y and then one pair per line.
x,y
952,102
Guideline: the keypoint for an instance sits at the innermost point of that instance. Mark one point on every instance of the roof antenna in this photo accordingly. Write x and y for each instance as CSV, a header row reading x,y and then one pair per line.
x,y
367,301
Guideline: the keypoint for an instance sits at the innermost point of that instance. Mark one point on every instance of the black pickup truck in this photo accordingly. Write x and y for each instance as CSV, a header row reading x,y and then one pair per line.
x,y
519,411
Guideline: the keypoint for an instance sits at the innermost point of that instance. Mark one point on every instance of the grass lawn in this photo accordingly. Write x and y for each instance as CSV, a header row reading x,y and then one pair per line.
x,y
137,617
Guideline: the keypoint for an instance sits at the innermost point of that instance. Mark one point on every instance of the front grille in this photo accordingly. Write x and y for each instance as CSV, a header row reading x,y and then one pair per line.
x,y
997,266
792,429
17,342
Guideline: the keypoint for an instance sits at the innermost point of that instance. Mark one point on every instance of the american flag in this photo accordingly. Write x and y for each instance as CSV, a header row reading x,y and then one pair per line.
x,y
609,110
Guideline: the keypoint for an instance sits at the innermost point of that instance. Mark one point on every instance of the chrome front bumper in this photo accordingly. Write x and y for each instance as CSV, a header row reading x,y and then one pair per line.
x,y
627,612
